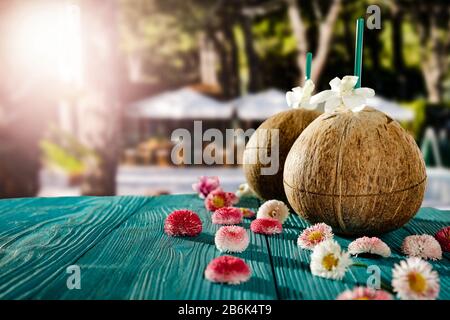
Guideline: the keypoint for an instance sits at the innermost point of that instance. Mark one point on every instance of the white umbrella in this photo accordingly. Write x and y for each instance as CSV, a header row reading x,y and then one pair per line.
x,y
185,103
392,109
261,105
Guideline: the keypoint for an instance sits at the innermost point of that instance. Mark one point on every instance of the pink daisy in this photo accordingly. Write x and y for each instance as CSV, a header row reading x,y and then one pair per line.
x,y
228,269
372,245
422,246
227,215
218,198
443,237
232,198
312,236
183,223
415,279
247,213
231,239
205,185
266,226
364,293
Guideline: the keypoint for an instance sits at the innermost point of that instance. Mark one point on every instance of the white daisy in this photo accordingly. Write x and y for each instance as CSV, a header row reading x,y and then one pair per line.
x,y
273,209
300,97
343,95
244,191
328,260
415,279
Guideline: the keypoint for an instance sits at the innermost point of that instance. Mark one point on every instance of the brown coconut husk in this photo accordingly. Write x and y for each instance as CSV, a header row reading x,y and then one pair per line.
x,y
361,173
290,124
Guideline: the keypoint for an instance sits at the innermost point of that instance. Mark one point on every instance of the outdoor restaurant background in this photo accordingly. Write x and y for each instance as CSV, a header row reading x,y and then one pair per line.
x,y
91,90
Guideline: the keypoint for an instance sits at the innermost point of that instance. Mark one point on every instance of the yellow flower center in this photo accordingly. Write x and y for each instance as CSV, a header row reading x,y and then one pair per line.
x,y
362,298
273,213
315,236
417,282
329,262
218,202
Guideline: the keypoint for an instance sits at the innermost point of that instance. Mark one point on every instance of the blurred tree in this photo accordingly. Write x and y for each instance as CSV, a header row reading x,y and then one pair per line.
x,y
325,34
431,20
100,110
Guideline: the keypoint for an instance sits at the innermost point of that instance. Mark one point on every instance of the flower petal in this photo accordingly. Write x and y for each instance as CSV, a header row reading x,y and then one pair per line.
x,y
332,104
353,101
308,88
335,84
323,96
364,92
348,83
290,99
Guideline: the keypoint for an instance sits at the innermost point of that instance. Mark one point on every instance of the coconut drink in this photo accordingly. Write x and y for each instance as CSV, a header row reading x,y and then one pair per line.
x,y
274,138
354,167
290,124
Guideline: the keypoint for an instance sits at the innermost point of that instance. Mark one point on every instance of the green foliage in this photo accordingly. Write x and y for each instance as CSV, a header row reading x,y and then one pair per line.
x,y
63,151
418,106
58,157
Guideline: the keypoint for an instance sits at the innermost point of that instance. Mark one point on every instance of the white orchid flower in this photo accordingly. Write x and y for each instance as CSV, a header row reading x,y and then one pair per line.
x,y
300,97
343,95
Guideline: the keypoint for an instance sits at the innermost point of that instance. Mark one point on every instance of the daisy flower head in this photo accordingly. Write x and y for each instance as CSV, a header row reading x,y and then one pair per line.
x,y
299,97
273,209
369,245
267,226
227,215
231,239
443,237
218,198
228,269
205,185
247,213
343,95
244,191
314,235
328,260
423,246
183,223
415,279
364,293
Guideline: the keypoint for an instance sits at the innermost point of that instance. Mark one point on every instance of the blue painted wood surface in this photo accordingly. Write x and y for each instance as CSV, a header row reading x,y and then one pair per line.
x,y
123,253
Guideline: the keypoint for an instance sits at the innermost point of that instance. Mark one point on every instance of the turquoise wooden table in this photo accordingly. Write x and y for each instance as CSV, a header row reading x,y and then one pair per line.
x,y
121,250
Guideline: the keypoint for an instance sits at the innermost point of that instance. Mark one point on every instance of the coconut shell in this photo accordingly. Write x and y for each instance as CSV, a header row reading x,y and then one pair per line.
x,y
290,124
361,173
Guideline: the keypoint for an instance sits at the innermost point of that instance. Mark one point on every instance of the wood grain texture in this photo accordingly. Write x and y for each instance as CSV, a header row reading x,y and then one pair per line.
x,y
119,244
360,172
136,260
40,237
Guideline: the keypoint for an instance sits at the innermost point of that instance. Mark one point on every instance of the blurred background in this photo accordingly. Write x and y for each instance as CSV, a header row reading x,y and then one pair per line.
x,y
91,90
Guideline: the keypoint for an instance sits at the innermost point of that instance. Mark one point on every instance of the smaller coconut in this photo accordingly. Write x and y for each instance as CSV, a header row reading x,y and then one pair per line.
x,y
290,124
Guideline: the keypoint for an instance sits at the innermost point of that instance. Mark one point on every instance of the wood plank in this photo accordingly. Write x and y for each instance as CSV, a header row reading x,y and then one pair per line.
x,y
138,261
39,238
291,263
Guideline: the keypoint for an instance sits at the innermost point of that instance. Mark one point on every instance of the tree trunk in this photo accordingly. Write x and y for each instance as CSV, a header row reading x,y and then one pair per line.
x,y
254,83
100,110
325,36
432,22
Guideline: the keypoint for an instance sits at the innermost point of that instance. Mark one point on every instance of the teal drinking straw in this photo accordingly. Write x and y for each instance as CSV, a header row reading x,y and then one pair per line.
x,y
308,65
359,50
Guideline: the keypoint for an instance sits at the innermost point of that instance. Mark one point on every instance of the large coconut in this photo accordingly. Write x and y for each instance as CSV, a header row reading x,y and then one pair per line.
x,y
290,124
359,172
